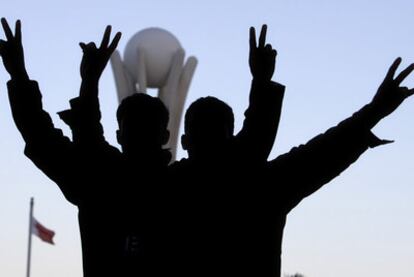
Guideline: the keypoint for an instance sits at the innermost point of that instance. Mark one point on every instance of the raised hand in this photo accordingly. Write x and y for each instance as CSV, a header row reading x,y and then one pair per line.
x,y
11,51
390,94
262,57
95,59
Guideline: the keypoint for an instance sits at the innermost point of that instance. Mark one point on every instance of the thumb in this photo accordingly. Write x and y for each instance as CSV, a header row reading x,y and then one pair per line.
x,y
83,46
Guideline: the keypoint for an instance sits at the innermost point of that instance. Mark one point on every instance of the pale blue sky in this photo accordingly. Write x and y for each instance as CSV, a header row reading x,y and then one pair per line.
x,y
332,57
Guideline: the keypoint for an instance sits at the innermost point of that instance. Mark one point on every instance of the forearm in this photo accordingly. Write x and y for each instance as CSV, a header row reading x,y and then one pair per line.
x,y
33,122
368,116
308,167
89,88
261,119
359,126
20,75
84,116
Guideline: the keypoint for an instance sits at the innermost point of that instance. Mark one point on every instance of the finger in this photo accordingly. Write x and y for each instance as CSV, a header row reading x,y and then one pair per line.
x,y
252,38
87,47
392,69
268,47
115,41
262,37
406,92
18,30
90,45
409,92
82,45
404,74
105,39
6,29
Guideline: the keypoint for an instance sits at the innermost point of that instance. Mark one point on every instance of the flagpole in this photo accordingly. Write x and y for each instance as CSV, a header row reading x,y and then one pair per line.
x,y
29,248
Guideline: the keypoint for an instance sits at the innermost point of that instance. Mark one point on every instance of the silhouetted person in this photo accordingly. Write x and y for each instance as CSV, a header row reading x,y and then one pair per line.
x,y
238,216
112,190
297,174
204,209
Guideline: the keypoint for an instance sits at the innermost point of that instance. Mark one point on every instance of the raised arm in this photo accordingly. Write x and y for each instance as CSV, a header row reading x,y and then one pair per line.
x,y
84,115
25,98
308,167
46,146
255,141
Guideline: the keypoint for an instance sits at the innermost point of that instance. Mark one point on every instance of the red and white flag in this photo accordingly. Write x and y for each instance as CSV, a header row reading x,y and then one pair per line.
x,y
35,228
42,232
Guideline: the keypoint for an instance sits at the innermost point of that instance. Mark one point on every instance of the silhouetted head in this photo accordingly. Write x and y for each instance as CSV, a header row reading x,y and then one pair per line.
x,y
208,128
142,121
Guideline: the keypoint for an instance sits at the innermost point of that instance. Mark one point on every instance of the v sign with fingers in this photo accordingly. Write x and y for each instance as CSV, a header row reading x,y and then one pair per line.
x,y
85,108
11,51
95,59
390,94
262,56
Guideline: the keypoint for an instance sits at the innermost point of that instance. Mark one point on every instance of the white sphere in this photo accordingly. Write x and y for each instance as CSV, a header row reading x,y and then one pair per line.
x,y
159,47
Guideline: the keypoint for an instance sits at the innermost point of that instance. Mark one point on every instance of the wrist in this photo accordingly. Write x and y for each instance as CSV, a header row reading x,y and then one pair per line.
x,y
89,88
90,80
373,114
259,80
20,75
378,109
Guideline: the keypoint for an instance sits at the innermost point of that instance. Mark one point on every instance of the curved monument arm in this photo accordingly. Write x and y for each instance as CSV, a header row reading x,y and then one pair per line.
x,y
142,72
123,83
178,102
184,83
168,92
186,77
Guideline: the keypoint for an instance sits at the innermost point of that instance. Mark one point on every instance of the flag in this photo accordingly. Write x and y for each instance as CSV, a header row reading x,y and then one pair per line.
x,y
42,232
